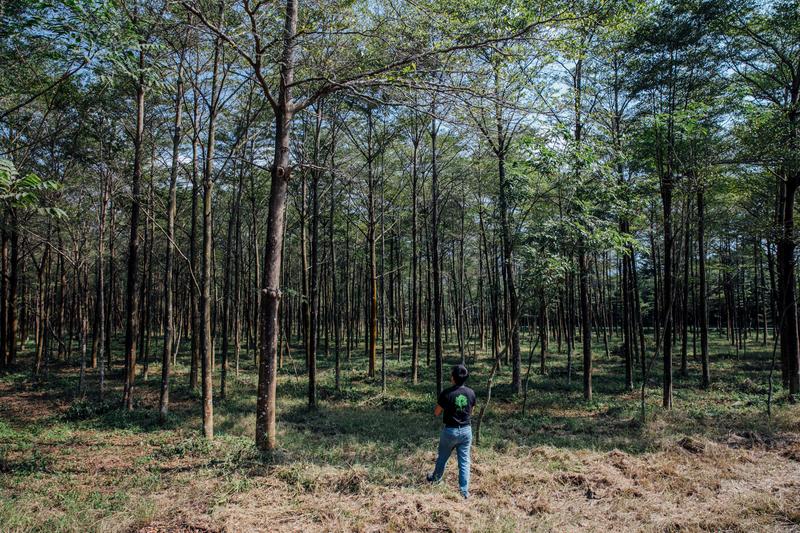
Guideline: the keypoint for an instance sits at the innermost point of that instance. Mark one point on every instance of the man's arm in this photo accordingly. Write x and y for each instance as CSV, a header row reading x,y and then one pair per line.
x,y
441,399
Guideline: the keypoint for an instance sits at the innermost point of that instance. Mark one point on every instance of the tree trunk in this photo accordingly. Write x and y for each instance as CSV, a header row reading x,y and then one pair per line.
x,y
169,306
787,288
702,290
4,294
586,324
267,375
313,326
132,302
685,295
415,322
666,197
436,273
206,320
336,308
13,285
101,298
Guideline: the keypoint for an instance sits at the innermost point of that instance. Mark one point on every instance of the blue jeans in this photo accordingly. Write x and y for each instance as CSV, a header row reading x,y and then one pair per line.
x,y
459,439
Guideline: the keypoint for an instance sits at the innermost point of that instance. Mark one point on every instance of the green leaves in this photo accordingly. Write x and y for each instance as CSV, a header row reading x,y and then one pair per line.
x,y
25,192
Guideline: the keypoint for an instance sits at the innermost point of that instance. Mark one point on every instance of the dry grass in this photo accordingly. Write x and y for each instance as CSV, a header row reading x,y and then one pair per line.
x,y
716,489
347,469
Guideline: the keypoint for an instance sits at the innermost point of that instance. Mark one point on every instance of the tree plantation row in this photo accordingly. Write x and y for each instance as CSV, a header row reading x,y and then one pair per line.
x,y
205,183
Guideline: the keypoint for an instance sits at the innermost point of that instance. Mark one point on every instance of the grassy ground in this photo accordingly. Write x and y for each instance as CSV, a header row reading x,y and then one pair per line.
x,y
715,462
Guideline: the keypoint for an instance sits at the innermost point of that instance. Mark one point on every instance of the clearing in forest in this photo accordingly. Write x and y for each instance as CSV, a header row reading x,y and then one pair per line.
x,y
357,463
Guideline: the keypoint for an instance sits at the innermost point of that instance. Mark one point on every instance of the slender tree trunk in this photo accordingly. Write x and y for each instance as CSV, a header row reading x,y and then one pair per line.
x,y
101,297
657,288
415,322
148,299
435,258
371,245
765,298
702,290
169,306
227,300
132,303
267,375
336,308
508,272
685,295
666,197
383,280
628,340
83,320
543,330
305,299
206,319
787,288
313,294
13,285
109,307
586,324
4,360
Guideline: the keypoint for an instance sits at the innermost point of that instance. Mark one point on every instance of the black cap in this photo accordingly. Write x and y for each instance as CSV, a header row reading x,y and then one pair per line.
x,y
460,374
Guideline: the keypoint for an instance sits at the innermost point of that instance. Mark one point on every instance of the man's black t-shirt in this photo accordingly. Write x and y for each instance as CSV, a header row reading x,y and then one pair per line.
x,y
457,402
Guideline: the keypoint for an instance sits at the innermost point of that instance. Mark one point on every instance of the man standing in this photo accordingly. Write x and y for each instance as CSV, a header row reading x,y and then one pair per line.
x,y
456,403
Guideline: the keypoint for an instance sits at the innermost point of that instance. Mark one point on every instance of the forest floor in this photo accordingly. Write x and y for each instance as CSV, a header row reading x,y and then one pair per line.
x,y
358,463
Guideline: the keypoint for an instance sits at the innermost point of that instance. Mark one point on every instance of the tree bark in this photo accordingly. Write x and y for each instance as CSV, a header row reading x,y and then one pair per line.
x,y
666,197
415,321
787,288
436,273
702,290
206,324
281,170
169,306
313,294
132,302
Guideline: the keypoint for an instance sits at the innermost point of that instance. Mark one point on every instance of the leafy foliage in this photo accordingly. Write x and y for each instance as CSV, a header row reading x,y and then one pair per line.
x,y
25,192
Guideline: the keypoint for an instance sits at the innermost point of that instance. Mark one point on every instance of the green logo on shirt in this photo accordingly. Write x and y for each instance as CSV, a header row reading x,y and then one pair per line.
x,y
461,402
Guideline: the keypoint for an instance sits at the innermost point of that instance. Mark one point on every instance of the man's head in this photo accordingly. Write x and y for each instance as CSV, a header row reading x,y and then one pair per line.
x,y
459,374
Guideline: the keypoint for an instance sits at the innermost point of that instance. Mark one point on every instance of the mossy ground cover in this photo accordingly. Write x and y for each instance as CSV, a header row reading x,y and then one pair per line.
x,y
72,462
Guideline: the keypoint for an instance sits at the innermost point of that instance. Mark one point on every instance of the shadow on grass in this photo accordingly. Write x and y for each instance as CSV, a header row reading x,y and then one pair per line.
x,y
359,421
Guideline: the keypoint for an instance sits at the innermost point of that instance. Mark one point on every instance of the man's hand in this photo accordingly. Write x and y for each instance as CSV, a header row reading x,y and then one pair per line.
x,y
437,411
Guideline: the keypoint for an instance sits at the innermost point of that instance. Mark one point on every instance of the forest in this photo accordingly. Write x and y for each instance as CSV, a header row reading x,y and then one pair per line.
x,y
243,243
